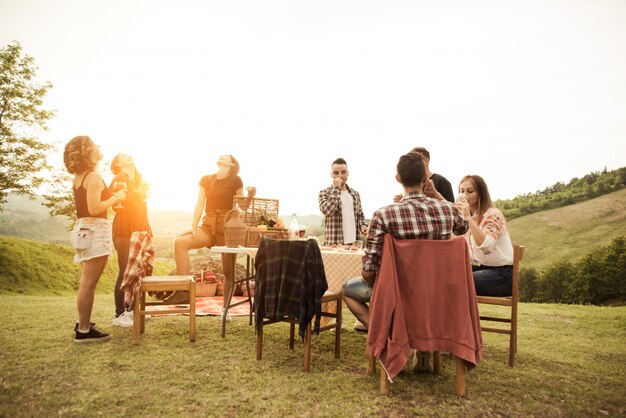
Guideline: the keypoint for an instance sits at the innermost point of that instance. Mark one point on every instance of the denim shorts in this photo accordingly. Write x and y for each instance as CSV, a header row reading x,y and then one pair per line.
x,y
100,242
357,289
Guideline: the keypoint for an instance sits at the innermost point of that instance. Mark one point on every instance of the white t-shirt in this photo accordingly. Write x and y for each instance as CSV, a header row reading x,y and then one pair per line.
x,y
347,217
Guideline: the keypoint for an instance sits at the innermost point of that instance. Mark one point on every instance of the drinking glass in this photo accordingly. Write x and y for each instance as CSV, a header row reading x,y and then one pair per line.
x,y
117,186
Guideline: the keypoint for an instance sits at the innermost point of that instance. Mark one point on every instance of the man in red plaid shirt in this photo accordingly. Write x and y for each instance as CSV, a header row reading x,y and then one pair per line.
x,y
415,216
341,207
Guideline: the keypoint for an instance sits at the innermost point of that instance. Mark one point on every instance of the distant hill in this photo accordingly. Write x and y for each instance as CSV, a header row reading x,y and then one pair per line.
x,y
570,231
34,267
549,235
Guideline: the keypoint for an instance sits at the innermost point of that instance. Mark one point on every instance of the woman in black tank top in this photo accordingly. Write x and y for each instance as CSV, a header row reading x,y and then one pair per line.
x,y
92,198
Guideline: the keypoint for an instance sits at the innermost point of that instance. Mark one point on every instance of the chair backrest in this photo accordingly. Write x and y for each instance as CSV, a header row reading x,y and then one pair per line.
x,y
290,281
518,254
424,296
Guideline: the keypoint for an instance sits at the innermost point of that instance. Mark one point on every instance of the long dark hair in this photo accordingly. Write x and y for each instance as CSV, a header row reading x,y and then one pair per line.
x,y
484,199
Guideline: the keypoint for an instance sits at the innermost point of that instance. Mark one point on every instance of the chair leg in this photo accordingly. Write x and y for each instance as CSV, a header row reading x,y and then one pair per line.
x,y
385,385
460,377
292,335
142,317
371,364
136,324
307,348
512,348
259,342
338,328
192,312
436,362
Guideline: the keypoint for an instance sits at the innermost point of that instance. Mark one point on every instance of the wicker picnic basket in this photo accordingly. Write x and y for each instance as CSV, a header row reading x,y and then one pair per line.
x,y
254,235
256,208
235,230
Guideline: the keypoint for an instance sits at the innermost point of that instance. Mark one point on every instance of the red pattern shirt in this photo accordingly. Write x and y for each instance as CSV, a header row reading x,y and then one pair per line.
x,y
329,200
140,265
415,216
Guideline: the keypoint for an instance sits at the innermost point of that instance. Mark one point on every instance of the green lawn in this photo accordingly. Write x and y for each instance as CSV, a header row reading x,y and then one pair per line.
x,y
571,362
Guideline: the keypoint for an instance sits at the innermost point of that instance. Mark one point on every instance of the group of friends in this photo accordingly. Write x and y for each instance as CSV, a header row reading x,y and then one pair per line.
x,y
426,210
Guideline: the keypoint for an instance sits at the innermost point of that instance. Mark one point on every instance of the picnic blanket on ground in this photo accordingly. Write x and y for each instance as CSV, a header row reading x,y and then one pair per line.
x,y
211,305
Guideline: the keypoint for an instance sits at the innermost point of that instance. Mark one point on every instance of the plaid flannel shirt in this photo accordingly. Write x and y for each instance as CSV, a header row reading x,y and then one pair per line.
x,y
415,216
290,282
140,264
330,205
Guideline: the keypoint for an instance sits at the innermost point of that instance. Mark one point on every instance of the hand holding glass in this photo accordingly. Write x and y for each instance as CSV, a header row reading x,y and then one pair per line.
x,y
117,186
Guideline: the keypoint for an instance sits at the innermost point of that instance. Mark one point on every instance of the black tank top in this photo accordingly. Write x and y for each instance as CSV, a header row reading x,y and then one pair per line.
x,y
80,200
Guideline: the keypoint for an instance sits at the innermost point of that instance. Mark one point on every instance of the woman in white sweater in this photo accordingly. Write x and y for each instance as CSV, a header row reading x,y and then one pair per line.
x,y
488,238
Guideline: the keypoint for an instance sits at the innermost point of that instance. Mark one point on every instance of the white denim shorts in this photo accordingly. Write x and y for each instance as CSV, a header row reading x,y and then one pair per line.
x,y
100,239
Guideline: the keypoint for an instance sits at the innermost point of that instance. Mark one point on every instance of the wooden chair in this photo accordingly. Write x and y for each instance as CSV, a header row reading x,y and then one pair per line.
x,y
424,295
328,297
460,389
161,284
278,266
511,301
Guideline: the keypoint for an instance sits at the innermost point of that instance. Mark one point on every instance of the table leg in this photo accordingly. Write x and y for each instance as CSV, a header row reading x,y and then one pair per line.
x,y
231,291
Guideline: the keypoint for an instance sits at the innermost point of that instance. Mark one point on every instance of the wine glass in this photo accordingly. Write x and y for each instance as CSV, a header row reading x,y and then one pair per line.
x,y
117,186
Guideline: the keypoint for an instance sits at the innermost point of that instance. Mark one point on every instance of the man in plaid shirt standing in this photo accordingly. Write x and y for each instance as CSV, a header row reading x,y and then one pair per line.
x,y
341,207
415,216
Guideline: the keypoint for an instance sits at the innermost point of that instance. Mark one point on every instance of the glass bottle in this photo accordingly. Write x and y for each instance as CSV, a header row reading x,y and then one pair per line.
x,y
294,227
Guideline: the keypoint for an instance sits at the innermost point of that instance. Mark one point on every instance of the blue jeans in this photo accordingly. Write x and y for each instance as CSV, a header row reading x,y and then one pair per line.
x,y
493,281
357,289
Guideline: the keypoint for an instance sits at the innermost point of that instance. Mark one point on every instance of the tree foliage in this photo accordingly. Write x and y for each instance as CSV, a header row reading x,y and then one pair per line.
x,y
60,199
22,116
597,278
560,194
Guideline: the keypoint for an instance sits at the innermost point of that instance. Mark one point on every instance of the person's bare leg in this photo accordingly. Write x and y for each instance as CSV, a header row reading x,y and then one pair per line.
x,y
89,276
183,244
358,309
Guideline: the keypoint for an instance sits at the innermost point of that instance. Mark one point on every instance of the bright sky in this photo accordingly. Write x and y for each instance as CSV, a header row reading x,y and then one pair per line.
x,y
524,93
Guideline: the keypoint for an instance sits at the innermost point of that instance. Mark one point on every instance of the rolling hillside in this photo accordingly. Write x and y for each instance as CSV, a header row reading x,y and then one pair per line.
x,y
570,231
38,268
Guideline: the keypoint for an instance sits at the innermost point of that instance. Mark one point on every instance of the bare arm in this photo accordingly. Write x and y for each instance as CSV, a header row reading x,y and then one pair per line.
x,y
94,186
369,277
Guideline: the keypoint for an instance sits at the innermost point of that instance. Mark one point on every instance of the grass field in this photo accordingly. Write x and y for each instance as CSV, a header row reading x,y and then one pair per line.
x,y
571,362
571,231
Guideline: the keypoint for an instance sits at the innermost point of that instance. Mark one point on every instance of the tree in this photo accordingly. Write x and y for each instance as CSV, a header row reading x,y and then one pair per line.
x,y
22,155
60,199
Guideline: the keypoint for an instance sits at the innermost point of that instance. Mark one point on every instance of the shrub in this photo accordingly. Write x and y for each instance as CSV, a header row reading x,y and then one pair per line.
x,y
528,278
597,278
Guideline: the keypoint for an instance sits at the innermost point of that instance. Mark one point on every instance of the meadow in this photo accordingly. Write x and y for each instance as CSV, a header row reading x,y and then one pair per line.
x,y
571,358
571,362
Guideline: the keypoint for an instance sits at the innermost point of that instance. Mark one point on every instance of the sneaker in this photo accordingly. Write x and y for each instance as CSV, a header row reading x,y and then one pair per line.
x,y
421,362
227,314
358,326
92,336
125,320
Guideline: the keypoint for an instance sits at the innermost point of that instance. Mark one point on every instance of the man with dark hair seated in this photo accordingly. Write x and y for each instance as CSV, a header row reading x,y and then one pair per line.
x,y
416,216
